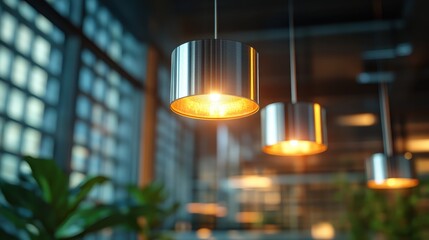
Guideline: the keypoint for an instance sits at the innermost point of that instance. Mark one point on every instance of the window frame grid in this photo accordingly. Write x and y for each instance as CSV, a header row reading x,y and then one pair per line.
x,y
10,47
106,109
20,19
126,50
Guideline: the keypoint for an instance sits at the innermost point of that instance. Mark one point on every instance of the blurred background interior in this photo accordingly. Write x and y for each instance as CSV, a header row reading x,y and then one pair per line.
x,y
87,82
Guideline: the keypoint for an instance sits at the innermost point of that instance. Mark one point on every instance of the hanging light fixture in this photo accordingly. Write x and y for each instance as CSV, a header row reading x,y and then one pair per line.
x,y
214,79
293,129
386,171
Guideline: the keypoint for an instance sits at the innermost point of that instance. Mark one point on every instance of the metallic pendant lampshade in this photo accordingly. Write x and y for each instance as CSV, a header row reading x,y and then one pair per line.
x,y
386,171
293,129
214,79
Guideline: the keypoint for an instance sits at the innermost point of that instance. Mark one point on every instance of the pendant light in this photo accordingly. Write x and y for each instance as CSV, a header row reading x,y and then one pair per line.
x,y
387,171
296,128
214,79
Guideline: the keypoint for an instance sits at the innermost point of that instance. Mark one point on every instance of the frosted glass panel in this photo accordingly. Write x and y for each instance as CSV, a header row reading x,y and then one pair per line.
x,y
24,39
7,27
44,24
31,143
16,104
26,11
83,107
112,98
39,78
79,156
81,132
41,51
12,136
34,114
5,59
9,167
20,71
85,79
30,66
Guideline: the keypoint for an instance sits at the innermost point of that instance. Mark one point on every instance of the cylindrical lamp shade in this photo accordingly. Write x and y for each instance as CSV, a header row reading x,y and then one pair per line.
x,y
214,79
390,172
293,129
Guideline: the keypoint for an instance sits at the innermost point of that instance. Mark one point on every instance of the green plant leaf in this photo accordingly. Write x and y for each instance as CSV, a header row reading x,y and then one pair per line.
x,y
150,194
150,202
44,207
136,194
79,193
85,221
26,201
52,181
22,198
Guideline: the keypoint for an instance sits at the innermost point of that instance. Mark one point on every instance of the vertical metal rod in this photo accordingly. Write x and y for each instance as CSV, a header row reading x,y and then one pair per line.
x,y
292,54
215,19
385,119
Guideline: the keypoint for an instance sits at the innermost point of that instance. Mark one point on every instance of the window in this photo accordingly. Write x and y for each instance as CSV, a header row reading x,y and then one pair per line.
x,y
99,108
102,107
107,114
31,56
110,35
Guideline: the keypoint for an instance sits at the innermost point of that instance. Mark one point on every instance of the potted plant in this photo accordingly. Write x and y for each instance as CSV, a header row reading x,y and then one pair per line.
x,y
43,206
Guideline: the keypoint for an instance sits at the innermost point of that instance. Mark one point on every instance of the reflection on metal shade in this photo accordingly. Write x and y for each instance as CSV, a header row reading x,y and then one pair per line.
x,y
293,129
214,79
390,173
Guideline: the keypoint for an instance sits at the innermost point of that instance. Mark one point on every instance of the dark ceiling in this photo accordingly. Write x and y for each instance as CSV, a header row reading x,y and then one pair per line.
x,y
336,41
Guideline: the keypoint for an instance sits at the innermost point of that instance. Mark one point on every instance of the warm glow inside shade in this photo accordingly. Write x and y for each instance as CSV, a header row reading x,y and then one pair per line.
x,y
393,183
208,107
293,129
390,173
214,79
294,148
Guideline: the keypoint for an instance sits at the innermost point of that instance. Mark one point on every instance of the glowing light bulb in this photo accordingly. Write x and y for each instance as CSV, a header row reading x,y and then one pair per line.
x,y
214,97
293,143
